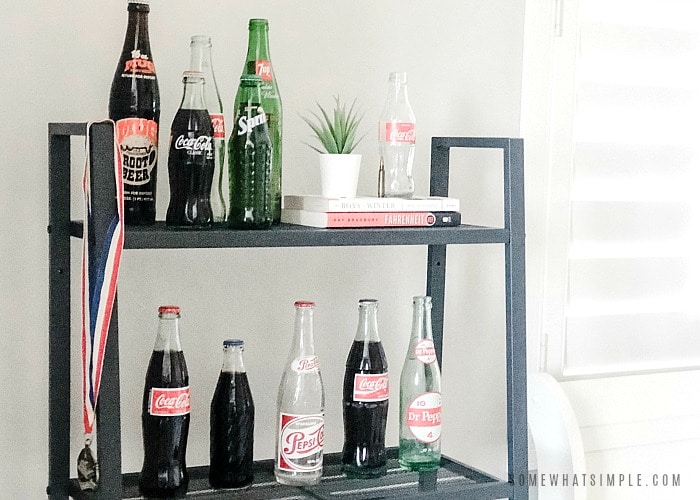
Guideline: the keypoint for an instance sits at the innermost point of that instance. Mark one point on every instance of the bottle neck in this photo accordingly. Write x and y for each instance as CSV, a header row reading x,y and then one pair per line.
x,y
233,359
258,43
193,94
304,331
137,29
367,328
422,322
168,335
200,54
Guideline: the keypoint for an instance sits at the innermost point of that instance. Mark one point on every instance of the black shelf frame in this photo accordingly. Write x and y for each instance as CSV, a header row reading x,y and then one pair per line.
x,y
452,481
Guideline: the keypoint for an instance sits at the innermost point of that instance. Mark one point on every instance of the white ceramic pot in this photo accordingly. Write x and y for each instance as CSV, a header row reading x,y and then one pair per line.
x,y
339,174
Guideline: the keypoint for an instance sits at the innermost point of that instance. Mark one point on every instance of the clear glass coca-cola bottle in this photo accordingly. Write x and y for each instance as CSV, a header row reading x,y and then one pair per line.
x,y
397,139
165,416
191,158
300,406
201,60
420,399
365,398
231,423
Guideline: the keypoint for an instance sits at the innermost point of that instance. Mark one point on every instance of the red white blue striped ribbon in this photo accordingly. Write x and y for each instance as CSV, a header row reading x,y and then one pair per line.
x,y
100,269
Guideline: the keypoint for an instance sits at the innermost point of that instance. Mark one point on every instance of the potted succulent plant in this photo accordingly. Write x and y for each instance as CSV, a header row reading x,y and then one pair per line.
x,y
336,131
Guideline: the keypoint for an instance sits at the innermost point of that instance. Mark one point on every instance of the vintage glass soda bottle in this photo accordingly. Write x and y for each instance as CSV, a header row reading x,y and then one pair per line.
x,y
258,63
165,415
365,398
191,158
201,60
420,396
231,423
397,139
249,160
300,406
134,105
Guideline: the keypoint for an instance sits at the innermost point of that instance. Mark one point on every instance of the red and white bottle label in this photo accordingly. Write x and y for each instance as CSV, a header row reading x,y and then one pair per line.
x,y
400,132
305,364
300,446
263,69
371,387
138,149
424,417
425,351
217,120
169,402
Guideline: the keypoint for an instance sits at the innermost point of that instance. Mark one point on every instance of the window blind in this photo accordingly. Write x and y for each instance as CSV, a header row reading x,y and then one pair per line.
x,y
632,278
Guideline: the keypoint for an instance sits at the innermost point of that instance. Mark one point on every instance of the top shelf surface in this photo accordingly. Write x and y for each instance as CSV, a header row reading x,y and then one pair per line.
x,y
289,235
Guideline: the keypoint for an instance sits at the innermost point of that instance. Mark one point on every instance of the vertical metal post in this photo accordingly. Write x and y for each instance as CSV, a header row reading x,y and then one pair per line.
x,y
103,192
59,314
514,219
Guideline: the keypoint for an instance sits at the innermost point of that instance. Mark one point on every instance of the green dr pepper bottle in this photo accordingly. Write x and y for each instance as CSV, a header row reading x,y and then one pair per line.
x,y
258,63
420,399
249,160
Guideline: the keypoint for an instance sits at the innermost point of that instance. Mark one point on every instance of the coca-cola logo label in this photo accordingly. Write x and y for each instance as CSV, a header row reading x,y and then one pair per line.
x,y
371,387
305,364
247,123
139,66
424,417
195,146
217,121
169,402
138,147
263,69
400,132
300,446
425,351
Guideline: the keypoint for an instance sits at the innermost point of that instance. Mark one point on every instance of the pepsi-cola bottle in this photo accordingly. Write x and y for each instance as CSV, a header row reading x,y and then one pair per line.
x,y
365,398
191,158
165,415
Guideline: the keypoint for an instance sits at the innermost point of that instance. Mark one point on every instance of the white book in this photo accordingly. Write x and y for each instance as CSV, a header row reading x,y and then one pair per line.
x,y
317,203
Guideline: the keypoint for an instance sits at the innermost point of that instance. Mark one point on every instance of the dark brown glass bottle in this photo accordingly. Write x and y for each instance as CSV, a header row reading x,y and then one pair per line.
x,y
134,105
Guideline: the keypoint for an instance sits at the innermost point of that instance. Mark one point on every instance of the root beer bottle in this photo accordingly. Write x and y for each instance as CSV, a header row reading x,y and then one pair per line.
x,y
134,105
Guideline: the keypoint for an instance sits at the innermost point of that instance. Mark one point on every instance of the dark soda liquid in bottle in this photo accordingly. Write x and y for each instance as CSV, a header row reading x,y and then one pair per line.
x,y
191,158
134,105
232,421
165,416
365,399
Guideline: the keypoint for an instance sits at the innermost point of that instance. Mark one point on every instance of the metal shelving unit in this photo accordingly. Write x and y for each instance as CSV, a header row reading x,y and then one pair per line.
x,y
452,481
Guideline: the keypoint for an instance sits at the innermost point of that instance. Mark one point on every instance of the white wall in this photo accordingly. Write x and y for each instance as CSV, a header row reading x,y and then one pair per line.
x,y
464,60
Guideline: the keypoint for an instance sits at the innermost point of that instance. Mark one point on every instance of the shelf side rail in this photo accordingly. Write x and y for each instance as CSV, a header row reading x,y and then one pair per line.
x,y
514,224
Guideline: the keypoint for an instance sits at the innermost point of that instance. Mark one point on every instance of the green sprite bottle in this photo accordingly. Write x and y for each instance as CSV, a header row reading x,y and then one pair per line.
x,y
258,63
249,160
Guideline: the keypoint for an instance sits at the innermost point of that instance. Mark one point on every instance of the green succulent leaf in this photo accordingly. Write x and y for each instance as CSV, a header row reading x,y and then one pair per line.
x,y
335,130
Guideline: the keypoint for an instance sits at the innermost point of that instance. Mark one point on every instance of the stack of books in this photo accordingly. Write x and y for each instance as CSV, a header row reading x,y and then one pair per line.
x,y
317,211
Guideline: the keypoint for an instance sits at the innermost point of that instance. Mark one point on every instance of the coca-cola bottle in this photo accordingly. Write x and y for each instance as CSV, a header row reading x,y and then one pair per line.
x,y
231,422
134,105
201,60
257,62
420,400
191,158
397,139
249,160
300,405
165,416
365,398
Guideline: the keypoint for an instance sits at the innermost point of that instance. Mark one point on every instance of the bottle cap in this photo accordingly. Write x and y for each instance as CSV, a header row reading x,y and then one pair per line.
x,y
368,302
304,303
233,342
169,310
257,22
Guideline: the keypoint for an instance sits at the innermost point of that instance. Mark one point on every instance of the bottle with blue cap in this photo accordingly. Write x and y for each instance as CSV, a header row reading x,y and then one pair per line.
x,y
232,419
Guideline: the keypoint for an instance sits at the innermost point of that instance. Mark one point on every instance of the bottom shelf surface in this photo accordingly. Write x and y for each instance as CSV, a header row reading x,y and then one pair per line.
x,y
451,480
